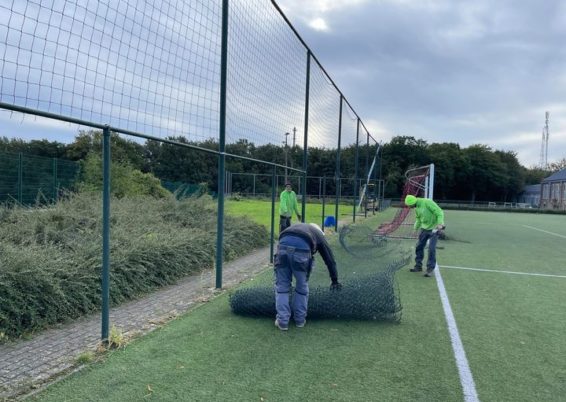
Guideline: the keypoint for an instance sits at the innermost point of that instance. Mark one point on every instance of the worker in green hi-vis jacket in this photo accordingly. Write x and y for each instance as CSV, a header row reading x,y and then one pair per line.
x,y
430,220
287,205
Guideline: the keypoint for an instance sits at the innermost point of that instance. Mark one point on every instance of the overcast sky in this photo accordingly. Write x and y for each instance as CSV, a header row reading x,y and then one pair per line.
x,y
471,72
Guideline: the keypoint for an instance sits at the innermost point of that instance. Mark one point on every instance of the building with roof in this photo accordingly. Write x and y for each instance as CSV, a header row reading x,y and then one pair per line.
x,y
553,191
530,196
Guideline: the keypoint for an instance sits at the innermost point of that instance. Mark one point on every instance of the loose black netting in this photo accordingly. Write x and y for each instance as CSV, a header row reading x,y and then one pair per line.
x,y
369,288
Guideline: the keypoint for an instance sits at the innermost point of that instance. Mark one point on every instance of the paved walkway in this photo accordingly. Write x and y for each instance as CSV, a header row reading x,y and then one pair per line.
x,y
28,365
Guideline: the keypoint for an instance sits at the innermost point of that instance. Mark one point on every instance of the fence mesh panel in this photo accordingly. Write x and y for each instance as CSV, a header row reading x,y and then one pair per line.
x,y
266,76
29,179
150,66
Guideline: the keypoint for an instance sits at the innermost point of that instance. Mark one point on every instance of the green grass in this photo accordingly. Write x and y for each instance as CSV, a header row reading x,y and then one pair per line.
x,y
260,211
213,355
512,328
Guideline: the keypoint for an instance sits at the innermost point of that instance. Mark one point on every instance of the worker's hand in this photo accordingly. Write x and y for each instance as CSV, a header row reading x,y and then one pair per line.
x,y
336,286
299,217
440,227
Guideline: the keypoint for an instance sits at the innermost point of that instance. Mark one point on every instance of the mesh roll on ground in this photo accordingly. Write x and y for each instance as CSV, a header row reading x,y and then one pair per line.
x,y
369,289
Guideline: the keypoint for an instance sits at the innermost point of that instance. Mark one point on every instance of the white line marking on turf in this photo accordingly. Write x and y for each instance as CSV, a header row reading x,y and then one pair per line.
x,y
503,272
466,379
545,231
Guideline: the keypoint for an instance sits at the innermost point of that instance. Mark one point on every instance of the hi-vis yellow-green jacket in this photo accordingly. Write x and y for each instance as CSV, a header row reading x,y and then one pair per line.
x,y
429,214
288,203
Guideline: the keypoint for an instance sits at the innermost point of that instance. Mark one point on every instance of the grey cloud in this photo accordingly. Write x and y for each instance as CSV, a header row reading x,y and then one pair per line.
x,y
467,72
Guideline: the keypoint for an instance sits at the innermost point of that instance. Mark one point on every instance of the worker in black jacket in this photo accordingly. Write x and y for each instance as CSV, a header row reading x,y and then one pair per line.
x,y
295,257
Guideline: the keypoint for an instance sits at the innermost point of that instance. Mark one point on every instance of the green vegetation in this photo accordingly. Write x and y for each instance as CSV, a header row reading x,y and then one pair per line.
x,y
85,357
126,180
50,257
474,173
511,326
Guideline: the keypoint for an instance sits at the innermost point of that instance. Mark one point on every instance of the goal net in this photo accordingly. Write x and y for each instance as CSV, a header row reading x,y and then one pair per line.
x,y
420,183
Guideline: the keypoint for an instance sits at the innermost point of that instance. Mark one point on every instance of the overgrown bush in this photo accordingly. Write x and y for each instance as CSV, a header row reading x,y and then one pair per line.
x,y
126,180
50,258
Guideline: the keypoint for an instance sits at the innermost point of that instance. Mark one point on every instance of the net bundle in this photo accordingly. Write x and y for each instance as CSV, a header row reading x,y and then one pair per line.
x,y
369,288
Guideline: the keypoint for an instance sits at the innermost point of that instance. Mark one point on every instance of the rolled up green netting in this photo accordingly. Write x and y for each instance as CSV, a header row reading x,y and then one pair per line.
x,y
369,289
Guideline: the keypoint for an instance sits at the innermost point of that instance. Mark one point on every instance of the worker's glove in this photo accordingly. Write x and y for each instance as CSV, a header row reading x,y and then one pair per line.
x,y
299,217
438,229
335,286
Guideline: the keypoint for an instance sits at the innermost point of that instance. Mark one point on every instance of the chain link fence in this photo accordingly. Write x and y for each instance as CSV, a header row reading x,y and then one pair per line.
x,y
31,180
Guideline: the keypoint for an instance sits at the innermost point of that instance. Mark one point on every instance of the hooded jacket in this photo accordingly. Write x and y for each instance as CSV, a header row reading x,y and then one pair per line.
x,y
288,203
429,214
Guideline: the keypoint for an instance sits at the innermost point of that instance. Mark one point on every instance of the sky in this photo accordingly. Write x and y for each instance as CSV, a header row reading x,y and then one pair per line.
x,y
466,72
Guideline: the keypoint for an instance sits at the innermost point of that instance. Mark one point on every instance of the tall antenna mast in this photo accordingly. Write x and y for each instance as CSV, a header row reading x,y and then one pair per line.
x,y
543,162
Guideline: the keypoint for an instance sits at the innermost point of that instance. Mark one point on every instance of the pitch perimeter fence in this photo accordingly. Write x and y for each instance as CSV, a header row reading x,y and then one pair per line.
x,y
29,179
181,73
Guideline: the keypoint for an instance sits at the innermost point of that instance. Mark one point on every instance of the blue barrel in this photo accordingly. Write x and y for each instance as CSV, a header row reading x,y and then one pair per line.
x,y
329,221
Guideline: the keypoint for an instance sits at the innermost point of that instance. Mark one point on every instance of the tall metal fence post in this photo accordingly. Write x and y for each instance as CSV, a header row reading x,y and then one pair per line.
x,y
272,236
20,177
54,193
356,166
105,233
222,145
306,135
338,164
382,183
375,180
323,200
366,175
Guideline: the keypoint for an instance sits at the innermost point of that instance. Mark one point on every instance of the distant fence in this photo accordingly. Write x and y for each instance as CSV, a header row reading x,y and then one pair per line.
x,y
30,179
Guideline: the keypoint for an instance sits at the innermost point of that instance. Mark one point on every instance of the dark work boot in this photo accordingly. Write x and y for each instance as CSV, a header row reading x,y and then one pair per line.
x,y
416,269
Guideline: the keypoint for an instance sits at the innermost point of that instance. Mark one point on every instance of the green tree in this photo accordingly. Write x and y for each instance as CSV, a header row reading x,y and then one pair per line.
x,y
451,170
535,175
487,173
557,166
122,150
126,181
45,148
514,177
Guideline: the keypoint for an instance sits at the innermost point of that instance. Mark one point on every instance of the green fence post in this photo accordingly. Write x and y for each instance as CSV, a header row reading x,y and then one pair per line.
x,y
356,165
273,190
338,165
20,177
105,234
381,188
222,145
375,178
306,134
54,180
323,200
366,178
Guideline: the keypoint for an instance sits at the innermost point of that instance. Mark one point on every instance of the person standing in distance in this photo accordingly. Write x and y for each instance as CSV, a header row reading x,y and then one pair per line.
x,y
295,258
287,205
430,220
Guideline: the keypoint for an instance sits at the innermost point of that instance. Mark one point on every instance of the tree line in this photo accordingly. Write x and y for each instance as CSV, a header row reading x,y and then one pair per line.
x,y
473,173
